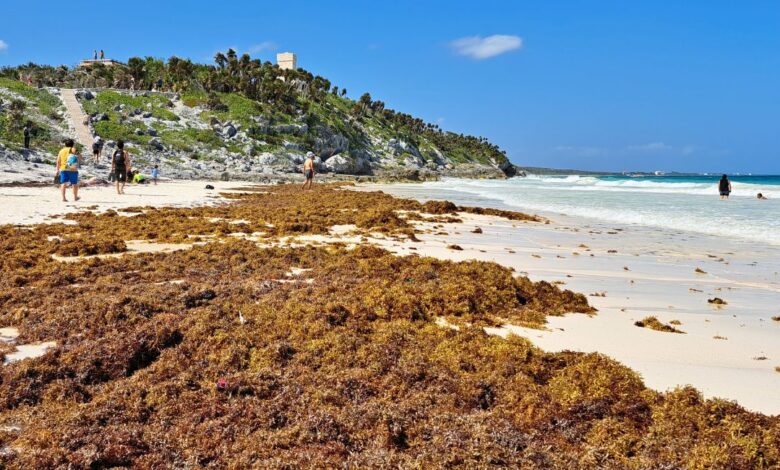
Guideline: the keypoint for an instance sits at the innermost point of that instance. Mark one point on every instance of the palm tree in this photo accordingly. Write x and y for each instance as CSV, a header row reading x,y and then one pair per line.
x,y
136,68
220,60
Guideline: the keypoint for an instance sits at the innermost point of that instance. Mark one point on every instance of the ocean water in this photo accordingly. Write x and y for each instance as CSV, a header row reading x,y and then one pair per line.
x,y
680,203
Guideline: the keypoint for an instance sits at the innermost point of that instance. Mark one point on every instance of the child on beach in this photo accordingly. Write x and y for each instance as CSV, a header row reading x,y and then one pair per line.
x,y
155,173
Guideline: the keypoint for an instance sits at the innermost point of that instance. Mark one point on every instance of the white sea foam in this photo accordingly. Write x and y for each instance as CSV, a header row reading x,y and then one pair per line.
x,y
684,205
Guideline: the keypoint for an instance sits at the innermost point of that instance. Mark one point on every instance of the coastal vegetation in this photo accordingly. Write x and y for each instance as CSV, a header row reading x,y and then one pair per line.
x,y
243,351
21,103
276,110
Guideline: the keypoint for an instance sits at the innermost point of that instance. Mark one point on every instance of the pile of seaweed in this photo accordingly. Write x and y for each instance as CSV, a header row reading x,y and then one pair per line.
x,y
233,354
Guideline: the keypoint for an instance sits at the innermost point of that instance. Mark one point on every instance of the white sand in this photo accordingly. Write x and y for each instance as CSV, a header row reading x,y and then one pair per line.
x,y
32,205
658,281
22,351
133,247
28,351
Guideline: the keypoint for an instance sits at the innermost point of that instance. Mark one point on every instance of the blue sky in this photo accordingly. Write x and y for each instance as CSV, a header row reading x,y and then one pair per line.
x,y
604,85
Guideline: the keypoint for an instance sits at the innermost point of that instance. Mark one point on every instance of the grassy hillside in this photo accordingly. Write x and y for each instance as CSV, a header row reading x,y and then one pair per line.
x,y
275,110
20,103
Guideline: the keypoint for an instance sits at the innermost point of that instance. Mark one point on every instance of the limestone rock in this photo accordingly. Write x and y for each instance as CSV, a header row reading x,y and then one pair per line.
x,y
84,95
229,131
345,164
295,129
329,142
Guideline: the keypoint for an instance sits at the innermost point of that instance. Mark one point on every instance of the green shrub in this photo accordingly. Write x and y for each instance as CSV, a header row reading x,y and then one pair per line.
x,y
111,130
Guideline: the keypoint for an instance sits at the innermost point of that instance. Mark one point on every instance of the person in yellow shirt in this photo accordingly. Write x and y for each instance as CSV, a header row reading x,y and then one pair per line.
x,y
68,161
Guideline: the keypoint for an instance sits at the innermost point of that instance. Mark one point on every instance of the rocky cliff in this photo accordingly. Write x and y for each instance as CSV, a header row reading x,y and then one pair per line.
x,y
198,134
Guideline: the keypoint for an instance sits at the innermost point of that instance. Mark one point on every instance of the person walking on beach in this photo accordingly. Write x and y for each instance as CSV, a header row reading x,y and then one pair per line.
x,y
155,174
27,135
120,166
68,160
97,148
308,171
724,187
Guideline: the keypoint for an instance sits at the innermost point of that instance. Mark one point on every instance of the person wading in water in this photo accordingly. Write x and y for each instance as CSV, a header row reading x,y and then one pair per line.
x,y
724,187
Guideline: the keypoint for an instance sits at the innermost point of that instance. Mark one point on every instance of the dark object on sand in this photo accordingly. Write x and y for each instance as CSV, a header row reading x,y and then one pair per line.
x,y
477,230
208,186
455,247
717,301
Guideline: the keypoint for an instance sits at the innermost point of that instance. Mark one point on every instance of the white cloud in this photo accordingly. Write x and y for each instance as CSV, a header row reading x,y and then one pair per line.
x,y
480,48
3,46
262,47
651,147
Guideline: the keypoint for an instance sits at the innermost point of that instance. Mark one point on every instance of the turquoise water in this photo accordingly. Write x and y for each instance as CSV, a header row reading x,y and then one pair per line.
x,y
758,180
687,203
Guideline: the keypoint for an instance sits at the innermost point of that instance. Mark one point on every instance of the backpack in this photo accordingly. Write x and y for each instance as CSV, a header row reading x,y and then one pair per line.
x,y
119,158
72,163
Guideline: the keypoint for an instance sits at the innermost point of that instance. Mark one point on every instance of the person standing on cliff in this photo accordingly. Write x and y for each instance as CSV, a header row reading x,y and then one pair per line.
x,y
308,171
102,55
27,135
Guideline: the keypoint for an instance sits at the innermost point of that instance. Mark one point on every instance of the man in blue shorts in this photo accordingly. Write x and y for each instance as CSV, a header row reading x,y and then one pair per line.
x,y
68,161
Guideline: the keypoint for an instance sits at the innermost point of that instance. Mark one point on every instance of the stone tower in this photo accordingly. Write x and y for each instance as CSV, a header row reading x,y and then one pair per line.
x,y
287,61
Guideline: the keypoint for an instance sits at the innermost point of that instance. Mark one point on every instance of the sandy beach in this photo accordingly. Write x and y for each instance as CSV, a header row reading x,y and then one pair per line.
x,y
25,204
326,313
553,244
629,273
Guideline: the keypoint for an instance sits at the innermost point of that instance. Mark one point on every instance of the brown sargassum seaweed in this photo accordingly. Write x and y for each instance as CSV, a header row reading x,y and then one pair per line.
x,y
204,358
